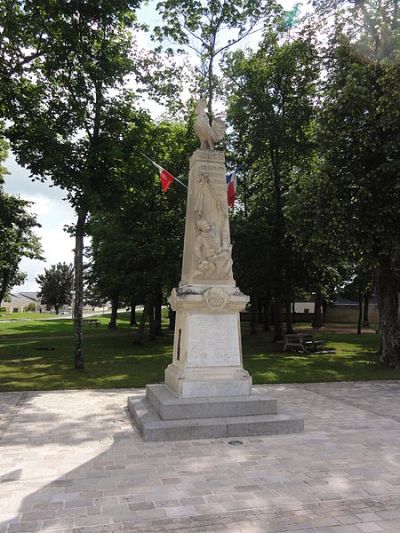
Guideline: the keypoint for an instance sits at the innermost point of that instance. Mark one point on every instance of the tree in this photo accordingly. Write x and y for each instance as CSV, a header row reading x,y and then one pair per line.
x,y
360,132
56,285
209,28
17,240
58,102
93,296
17,235
254,277
137,245
359,288
271,108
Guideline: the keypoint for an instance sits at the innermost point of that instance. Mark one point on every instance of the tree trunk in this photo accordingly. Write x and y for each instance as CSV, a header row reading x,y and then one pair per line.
x,y
158,299
278,234
388,312
324,309
79,362
360,309
114,312
4,285
210,80
366,311
140,333
278,330
266,314
133,313
272,313
152,322
253,313
289,322
317,320
260,307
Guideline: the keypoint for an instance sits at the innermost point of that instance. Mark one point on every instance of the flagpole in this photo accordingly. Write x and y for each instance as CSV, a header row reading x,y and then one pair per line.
x,y
159,166
179,181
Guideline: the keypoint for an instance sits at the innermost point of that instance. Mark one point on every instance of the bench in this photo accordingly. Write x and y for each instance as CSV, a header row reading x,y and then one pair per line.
x,y
91,322
301,342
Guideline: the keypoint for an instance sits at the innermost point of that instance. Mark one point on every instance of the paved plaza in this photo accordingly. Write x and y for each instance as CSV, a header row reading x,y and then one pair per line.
x,y
71,461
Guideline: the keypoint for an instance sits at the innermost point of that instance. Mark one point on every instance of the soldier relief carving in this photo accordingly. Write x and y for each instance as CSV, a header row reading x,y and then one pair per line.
x,y
213,260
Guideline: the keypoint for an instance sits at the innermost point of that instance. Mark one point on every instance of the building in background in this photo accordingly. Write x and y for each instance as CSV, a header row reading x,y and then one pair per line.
x,y
18,302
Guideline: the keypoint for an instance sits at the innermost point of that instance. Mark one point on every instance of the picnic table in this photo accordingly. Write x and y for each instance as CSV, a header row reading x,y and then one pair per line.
x,y
301,342
91,322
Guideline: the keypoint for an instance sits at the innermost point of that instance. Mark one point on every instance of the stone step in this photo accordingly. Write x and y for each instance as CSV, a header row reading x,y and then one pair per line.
x,y
154,429
169,407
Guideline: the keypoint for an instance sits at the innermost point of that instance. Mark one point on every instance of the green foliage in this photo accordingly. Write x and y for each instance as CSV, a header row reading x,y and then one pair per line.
x,y
359,135
209,28
137,244
73,59
3,157
59,102
271,108
56,285
372,26
359,119
17,239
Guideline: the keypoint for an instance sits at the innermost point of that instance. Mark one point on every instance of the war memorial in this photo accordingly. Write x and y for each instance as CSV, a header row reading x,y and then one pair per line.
x,y
207,392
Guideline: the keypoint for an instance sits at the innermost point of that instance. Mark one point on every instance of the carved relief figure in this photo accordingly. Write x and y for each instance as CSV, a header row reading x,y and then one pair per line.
x,y
208,135
213,261
205,188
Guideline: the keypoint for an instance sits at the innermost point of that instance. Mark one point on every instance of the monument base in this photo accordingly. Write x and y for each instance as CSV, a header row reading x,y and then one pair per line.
x,y
207,382
161,416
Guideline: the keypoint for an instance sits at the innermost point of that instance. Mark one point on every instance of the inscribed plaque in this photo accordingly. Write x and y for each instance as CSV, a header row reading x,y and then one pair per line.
x,y
213,340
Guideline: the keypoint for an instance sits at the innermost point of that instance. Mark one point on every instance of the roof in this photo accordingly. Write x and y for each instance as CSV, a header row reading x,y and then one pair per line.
x,y
31,295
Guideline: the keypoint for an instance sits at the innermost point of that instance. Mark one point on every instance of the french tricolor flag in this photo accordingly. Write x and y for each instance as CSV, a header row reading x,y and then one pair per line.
x,y
231,184
165,177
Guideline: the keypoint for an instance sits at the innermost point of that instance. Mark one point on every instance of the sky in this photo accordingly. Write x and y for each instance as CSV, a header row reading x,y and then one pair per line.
x,y
53,212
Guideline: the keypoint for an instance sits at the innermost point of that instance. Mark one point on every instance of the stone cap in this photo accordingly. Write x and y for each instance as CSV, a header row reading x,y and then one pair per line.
x,y
211,298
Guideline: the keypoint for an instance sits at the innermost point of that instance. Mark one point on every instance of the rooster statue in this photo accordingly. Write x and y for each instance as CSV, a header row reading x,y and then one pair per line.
x,y
208,135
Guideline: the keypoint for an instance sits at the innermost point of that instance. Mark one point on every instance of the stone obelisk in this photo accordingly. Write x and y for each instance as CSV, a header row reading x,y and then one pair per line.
x,y
207,393
207,356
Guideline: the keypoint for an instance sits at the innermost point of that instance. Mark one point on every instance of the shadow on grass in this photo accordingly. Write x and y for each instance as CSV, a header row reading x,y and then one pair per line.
x,y
355,359
111,361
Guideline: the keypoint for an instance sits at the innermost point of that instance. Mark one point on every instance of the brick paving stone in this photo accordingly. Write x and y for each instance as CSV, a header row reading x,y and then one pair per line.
x,y
348,519
389,514
71,462
368,527
368,517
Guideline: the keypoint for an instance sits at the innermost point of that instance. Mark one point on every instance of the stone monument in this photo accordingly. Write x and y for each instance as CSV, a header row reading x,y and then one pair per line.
x,y
207,393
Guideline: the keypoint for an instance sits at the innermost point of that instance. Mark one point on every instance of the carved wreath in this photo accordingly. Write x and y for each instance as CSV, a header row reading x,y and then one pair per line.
x,y
215,298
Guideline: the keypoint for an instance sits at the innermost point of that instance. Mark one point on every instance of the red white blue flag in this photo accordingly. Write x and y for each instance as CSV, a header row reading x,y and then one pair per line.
x,y
165,177
231,184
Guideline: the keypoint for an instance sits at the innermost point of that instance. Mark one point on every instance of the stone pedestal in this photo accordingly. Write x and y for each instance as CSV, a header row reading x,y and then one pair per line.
x,y
207,393
207,360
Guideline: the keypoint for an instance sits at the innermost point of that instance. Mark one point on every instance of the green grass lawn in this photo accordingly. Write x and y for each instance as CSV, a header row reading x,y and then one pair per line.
x,y
26,316
38,355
